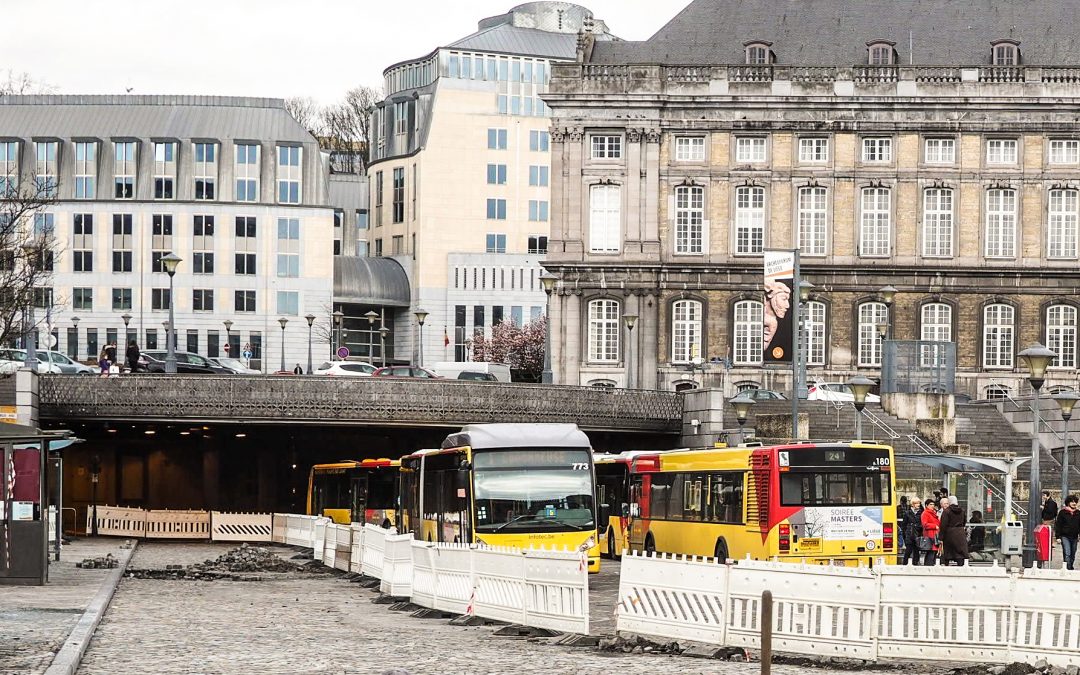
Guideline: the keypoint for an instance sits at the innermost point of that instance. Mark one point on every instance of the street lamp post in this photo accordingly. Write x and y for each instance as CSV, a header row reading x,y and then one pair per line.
x,y
548,280
383,332
282,321
310,320
1037,358
860,387
801,346
1065,400
127,331
888,294
629,320
32,251
75,347
371,316
421,316
228,339
742,404
170,261
335,333
468,349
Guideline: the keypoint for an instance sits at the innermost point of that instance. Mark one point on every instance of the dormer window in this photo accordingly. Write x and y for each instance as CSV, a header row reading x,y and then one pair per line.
x,y
1005,53
758,53
881,53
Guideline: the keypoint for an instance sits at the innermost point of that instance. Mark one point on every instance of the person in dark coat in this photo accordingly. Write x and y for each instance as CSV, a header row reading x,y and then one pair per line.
x,y
1067,528
977,536
954,544
133,356
110,353
1049,509
911,528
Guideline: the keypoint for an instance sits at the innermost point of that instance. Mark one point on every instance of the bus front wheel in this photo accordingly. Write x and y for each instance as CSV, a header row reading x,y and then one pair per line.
x,y
721,551
613,553
650,545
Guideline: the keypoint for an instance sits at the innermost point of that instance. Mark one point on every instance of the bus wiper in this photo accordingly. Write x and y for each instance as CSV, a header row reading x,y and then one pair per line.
x,y
524,516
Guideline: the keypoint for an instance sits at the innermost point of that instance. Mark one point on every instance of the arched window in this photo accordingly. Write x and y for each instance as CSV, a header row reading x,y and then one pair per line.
x,y
998,336
1061,335
880,53
759,53
685,385
746,385
1000,223
603,331
936,322
602,384
685,331
748,346
815,333
605,219
689,218
749,219
870,315
996,392
876,215
1005,53
938,222
1061,225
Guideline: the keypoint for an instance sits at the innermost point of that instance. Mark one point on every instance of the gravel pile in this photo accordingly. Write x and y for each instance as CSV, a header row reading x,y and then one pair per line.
x,y
240,564
106,562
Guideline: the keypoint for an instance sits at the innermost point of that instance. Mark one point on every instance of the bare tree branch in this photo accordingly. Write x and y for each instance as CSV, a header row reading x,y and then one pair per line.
x,y
307,112
23,83
27,255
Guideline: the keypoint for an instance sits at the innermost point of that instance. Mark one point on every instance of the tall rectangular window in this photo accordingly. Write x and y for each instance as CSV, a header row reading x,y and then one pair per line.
x,y
1001,151
46,168
202,300
605,219
940,151
539,141
1061,335
124,170
871,315
82,299
121,242
206,170
192,342
998,336
399,195
288,256
160,298
9,167
538,210
213,344
938,222
496,139
538,175
288,174
245,301
245,244
247,172
813,213
288,303
496,209
496,174
161,240
690,149
874,234
1064,151
121,299
1061,228
813,150
605,146
936,327
1000,223
378,198
165,170
85,169
689,219
747,342
749,220
685,331
815,333
604,322
82,243
750,149
202,245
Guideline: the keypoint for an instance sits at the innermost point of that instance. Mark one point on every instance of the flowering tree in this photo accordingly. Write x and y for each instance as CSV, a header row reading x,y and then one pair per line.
x,y
520,347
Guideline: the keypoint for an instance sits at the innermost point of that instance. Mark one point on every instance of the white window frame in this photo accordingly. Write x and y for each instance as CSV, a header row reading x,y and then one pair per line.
x,y
813,150
605,218
747,342
46,167
877,150
205,170
875,230
1063,151
85,169
876,51
751,149
1061,335
686,330
288,248
604,331
814,323
689,148
999,331
689,220
749,220
870,315
165,169
125,168
605,147
1062,223
1006,54
9,167
289,172
936,326
1000,224
247,172
758,54
937,227
813,216
1002,151
939,151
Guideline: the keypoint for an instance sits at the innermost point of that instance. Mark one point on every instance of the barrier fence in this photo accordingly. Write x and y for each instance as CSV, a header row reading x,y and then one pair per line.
x,y
974,614
121,521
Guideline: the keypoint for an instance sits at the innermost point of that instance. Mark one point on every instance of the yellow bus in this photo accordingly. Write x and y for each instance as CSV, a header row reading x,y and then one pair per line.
x,y
516,485
612,496
826,503
355,491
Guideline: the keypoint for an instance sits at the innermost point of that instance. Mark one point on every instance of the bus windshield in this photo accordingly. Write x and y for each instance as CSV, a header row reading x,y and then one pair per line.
x,y
834,488
533,488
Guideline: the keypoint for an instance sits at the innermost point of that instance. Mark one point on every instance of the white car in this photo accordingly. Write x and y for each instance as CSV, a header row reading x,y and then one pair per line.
x,y
235,365
13,359
836,391
346,368
66,364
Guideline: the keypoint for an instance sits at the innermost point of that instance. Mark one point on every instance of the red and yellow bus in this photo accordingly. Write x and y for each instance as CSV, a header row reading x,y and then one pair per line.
x,y
355,491
826,503
613,498
515,485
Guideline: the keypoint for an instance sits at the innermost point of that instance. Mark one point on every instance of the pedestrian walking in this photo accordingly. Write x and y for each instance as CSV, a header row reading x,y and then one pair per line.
x,y
298,370
103,361
931,525
110,352
977,535
901,508
1049,508
953,524
133,356
1067,528
911,528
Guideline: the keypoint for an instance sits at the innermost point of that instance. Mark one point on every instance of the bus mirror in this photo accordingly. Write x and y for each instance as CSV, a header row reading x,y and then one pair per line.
x,y
461,478
625,510
605,514
635,511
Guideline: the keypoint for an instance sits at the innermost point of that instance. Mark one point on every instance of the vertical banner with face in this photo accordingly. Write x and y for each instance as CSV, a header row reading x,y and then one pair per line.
x,y
778,329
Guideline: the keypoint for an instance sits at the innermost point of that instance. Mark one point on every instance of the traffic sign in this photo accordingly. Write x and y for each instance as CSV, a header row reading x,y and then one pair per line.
x,y
248,355
52,341
343,352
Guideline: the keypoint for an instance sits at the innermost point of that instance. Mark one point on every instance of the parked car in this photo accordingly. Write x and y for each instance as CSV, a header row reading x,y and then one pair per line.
x,y
453,369
836,391
66,364
186,363
346,369
764,395
235,365
414,372
13,359
477,377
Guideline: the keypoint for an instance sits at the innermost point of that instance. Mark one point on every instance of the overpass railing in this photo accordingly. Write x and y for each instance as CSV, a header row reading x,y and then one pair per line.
x,y
386,401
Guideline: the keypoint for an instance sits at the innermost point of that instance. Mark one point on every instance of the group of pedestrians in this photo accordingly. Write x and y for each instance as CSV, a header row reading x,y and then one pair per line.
x,y
936,531
1066,523
107,359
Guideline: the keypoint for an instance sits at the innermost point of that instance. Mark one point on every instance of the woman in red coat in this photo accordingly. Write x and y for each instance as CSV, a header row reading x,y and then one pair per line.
x,y
931,524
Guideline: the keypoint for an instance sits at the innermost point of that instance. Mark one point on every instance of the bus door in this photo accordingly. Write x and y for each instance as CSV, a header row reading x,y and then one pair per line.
x,y
358,493
635,522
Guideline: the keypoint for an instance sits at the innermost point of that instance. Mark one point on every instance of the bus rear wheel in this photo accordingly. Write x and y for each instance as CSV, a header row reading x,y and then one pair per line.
x,y
613,553
721,551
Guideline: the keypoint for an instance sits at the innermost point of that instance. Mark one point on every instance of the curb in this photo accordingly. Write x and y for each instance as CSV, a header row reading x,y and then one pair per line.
x,y
67,660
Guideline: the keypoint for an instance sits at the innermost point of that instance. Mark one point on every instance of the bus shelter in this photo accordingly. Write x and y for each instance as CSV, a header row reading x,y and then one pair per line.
x,y
1009,530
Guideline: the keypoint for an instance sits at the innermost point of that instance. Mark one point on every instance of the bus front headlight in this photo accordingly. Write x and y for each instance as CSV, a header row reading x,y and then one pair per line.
x,y
589,543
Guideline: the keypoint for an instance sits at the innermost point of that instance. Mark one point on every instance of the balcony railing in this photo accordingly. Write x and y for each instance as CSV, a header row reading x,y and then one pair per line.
x,y
359,400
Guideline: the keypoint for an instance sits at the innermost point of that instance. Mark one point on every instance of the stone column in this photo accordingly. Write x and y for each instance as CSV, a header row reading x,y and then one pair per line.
x,y
26,397
556,319
635,204
576,200
649,311
651,235
572,337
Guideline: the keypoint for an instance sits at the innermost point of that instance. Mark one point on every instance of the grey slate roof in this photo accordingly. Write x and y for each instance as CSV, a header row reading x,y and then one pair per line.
x,y
835,32
182,117
508,39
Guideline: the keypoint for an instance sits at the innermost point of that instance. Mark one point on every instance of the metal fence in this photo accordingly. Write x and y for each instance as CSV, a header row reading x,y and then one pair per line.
x,y
918,366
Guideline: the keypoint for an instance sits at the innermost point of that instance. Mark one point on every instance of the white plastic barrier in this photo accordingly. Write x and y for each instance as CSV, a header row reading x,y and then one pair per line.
x,y
241,526
1045,620
356,553
667,597
279,523
183,524
319,541
397,573
300,530
373,550
329,555
117,521
342,547
543,589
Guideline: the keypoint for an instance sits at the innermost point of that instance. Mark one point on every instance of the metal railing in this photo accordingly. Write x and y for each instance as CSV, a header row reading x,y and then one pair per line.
x,y
1043,422
881,425
921,445
367,400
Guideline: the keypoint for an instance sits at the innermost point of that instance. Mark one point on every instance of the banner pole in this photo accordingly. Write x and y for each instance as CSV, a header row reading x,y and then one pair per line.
x,y
797,348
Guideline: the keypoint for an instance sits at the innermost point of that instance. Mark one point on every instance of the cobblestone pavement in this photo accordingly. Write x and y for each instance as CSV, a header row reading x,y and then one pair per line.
x,y
320,623
35,620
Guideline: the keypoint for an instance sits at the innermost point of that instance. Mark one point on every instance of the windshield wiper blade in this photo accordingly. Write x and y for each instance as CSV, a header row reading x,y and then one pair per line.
x,y
524,516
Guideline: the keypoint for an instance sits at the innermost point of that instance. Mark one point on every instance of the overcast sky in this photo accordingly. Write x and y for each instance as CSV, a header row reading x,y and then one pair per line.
x,y
279,48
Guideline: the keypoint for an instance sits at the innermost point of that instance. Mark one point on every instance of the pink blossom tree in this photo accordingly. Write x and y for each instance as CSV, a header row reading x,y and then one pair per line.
x,y
520,347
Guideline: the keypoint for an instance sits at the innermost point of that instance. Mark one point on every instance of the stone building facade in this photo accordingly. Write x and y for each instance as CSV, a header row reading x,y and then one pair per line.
x,y
950,172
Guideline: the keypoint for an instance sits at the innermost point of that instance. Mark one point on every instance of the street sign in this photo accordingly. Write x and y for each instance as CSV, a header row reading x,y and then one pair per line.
x,y
248,355
343,352
53,341
8,414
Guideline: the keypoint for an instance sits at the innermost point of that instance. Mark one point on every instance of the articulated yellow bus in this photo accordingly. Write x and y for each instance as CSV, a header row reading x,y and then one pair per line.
x,y
613,474
826,503
355,492
516,485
